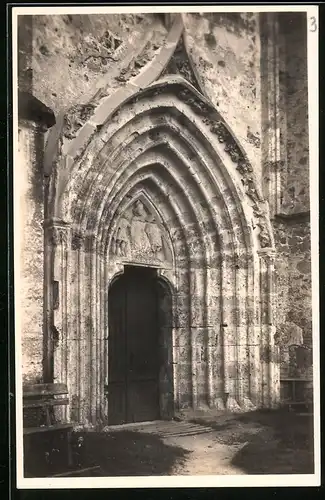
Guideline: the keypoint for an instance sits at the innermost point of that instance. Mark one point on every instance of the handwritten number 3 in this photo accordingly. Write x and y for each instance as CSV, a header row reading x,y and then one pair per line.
x,y
313,26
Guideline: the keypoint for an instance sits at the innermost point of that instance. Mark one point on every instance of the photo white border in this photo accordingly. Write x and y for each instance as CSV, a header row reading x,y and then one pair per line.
x,y
313,107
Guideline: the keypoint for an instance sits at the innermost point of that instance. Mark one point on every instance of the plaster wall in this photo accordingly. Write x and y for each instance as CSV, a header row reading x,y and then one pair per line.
x,y
30,216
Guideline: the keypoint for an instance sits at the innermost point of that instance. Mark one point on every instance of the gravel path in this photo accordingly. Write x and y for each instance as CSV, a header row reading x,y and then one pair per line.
x,y
251,443
205,455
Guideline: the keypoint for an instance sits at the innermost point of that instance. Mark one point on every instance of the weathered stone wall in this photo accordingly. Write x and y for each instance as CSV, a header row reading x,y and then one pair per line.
x,y
295,198
291,224
294,322
29,217
63,58
66,60
225,48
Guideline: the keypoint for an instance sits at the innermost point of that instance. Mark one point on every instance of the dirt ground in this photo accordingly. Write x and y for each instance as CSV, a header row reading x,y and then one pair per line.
x,y
272,442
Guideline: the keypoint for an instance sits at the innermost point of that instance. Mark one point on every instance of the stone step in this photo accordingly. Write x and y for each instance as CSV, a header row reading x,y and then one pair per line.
x,y
163,428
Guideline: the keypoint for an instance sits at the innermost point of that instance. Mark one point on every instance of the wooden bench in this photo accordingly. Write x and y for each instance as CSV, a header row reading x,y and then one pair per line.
x,y
39,403
293,382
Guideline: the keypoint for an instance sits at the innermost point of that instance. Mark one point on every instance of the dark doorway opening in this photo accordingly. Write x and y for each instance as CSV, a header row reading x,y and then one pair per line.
x,y
140,380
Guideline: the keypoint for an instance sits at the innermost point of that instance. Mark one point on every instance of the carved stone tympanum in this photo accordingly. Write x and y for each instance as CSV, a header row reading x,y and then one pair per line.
x,y
140,236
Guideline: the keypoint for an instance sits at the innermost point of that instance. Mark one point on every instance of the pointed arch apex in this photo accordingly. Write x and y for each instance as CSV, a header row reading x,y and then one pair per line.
x,y
196,111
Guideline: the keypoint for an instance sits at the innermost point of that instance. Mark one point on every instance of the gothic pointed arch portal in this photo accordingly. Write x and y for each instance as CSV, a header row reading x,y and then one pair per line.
x,y
162,182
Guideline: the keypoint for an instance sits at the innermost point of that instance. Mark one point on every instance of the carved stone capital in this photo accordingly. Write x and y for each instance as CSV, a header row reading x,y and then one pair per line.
x,y
268,254
58,235
76,240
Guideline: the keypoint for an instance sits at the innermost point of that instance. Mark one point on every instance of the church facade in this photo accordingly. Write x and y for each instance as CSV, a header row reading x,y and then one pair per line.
x,y
163,205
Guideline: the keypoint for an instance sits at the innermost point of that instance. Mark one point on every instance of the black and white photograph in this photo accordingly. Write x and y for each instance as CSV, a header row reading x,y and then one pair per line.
x,y
165,173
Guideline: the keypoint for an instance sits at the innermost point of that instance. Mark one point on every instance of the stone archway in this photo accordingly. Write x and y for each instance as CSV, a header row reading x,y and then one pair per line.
x,y
167,149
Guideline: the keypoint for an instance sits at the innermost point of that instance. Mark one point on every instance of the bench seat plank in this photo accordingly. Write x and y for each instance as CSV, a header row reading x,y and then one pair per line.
x,y
289,379
44,403
45,390
297,403
47,428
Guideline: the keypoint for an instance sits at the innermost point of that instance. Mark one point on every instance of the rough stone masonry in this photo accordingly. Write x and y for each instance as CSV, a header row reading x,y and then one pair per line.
x,y
178,143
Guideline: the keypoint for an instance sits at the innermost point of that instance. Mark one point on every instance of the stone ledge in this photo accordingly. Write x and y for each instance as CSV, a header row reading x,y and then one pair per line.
x,y
32,109
293,217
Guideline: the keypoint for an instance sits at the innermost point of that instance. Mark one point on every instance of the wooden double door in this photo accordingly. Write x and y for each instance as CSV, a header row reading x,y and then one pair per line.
x,y
134,351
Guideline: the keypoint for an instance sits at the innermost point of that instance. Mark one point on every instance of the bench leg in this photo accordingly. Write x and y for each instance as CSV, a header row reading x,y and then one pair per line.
x,y
294,391
69,443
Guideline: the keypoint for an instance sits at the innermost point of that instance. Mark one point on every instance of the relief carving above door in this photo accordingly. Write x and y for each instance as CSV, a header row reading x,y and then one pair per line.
x,y
140,236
